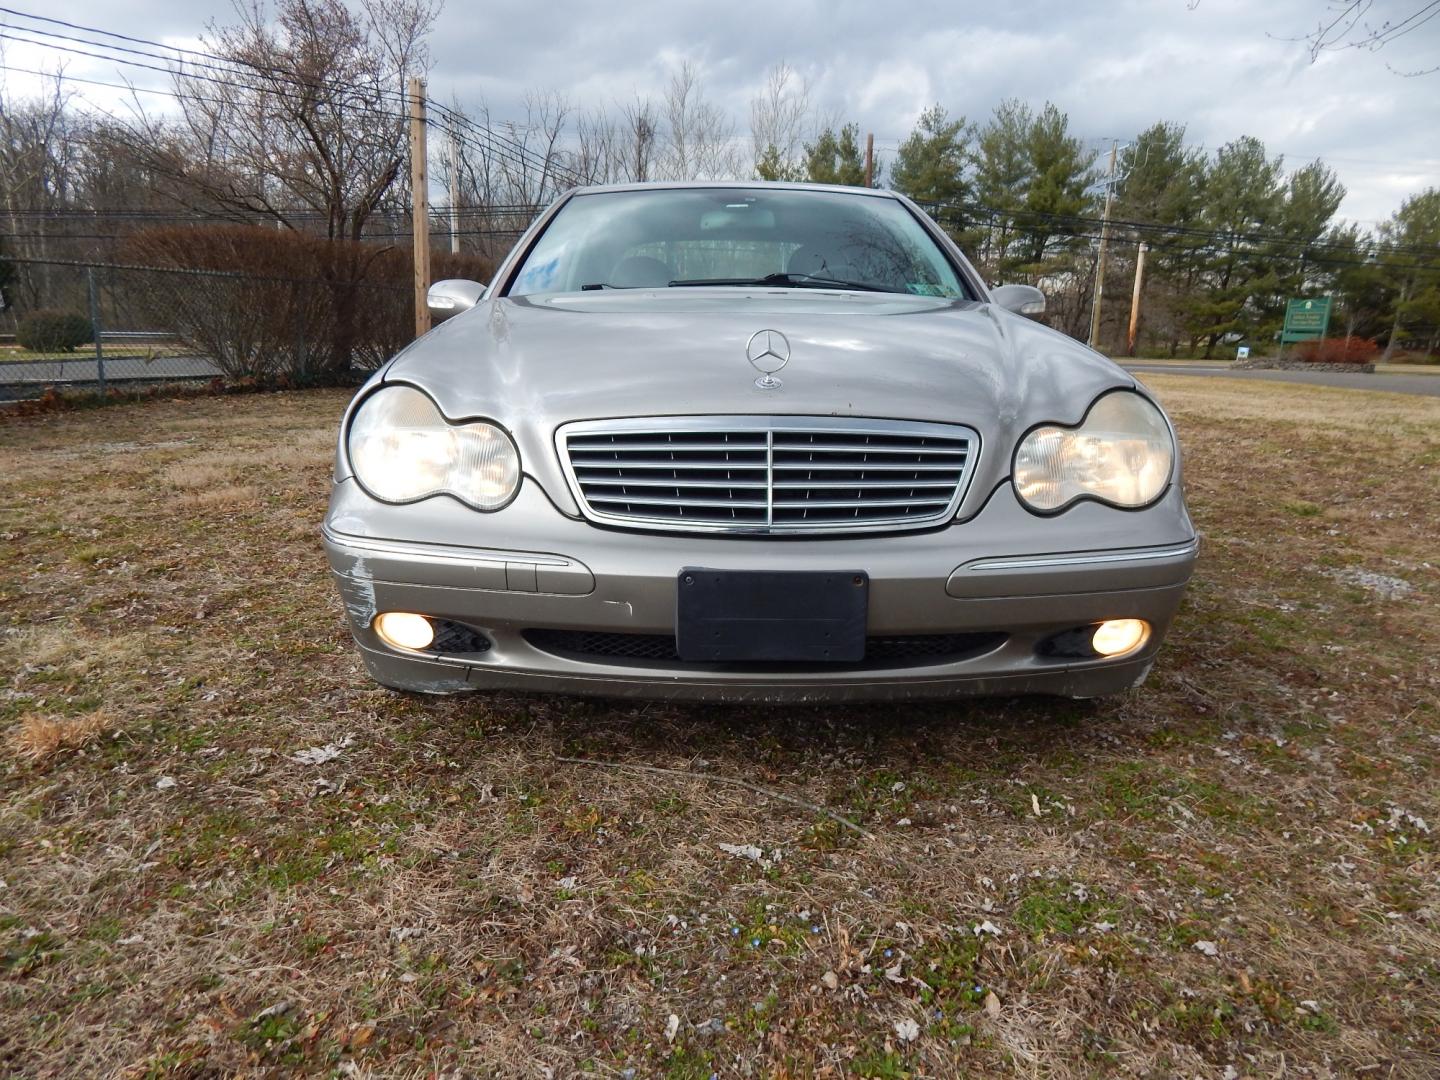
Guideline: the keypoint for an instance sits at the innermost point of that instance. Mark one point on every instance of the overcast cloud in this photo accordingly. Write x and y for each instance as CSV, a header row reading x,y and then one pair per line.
x,y
1114,67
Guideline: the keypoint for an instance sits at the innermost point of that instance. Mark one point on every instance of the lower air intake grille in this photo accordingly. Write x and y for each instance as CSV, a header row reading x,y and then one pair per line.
x,y
910,650
453,638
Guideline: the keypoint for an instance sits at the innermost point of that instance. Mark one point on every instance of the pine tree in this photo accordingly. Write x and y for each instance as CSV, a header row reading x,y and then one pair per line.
x,y
1410,255
837,159
934,166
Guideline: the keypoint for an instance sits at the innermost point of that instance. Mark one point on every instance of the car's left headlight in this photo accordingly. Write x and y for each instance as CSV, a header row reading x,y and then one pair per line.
x,y
1122,453
402,450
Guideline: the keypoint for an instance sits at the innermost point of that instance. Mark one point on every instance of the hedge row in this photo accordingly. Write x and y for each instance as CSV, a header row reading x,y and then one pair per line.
x,y
284,303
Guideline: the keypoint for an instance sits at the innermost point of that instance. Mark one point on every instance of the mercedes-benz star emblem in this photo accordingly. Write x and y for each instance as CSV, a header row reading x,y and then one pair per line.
x,y
768,352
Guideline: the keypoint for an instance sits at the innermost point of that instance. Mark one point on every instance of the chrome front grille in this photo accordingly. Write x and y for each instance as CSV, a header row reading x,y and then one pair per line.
x,y
767,474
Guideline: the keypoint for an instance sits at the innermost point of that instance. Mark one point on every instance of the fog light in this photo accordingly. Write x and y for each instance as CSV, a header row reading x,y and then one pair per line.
x,y
1116,636
404,630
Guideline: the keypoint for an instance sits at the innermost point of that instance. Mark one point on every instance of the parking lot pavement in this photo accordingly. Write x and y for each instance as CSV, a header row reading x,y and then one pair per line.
x,y
25,380
84,369
1395,384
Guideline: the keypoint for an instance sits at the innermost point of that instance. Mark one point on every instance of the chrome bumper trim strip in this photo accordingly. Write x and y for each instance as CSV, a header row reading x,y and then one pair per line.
x,y
1040,562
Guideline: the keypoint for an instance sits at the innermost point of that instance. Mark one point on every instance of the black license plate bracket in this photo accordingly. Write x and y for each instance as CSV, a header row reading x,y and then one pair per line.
x,y
771,616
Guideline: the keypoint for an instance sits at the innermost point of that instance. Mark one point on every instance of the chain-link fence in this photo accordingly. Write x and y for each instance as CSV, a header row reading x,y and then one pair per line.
x,y
90,328
105,327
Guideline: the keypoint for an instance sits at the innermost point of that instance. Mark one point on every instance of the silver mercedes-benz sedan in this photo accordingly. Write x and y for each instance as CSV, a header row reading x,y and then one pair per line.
x,y
753,442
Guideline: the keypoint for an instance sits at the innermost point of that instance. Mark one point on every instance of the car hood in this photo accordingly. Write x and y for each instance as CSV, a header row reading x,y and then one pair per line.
x,y
535,363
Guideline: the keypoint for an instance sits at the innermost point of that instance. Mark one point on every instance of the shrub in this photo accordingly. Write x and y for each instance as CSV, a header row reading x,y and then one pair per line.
x,y
1346,350
53,331
272,305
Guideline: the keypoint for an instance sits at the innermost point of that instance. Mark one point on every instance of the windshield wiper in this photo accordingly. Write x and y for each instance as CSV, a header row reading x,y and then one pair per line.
x,y
594,285
800,280
821,281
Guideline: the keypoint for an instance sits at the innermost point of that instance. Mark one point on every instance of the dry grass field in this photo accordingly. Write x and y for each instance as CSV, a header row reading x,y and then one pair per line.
x,y
223,851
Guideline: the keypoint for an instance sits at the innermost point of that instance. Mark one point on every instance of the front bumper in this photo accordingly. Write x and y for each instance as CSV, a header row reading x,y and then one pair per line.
x,y
1000,573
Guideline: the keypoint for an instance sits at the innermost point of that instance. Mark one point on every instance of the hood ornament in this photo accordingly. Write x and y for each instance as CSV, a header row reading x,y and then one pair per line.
x,y
768,351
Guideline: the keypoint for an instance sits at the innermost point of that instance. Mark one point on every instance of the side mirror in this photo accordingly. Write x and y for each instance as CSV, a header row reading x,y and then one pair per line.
x,y
1021,299
452,296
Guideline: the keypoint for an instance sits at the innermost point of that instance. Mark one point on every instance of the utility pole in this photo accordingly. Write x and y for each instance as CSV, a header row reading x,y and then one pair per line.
x,y
1133,336
419,204
96,328
1104,243
869,159
454,195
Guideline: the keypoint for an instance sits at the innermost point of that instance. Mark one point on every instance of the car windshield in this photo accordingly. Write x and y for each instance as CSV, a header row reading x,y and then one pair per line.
x,y
787,238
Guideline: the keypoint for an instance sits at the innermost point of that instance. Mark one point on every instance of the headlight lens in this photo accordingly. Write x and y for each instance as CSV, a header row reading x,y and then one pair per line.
x,y
1121,453
402,450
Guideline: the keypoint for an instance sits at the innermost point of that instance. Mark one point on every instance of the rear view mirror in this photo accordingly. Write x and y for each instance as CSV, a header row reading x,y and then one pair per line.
x,y
1021,299
452,296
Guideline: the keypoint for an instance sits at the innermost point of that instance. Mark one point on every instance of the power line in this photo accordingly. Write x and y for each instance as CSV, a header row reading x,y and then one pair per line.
x,y
513,150
467,140
978,211
70,50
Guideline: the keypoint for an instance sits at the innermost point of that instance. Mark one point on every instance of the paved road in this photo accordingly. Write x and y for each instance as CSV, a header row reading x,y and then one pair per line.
x,y
1396,384
23,380
83,369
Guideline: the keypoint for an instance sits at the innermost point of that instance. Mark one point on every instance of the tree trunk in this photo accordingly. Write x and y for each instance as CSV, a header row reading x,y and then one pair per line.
x,y
1395,325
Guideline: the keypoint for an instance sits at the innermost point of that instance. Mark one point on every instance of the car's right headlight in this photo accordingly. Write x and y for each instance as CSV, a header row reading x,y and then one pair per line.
x,y
1122,453
402,449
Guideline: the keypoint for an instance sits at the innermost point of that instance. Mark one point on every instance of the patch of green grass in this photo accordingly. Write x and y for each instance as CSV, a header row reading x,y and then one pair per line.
x,y
29,953
1128,790
273,1039
688,1063
106,928
881,1065
1061,907
950,970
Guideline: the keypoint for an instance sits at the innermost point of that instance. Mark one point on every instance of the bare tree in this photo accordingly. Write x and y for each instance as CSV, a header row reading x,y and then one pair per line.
x,y
40,144
641,128
311,120
506,171
600,152
779,117
1349,25
700,137
531,159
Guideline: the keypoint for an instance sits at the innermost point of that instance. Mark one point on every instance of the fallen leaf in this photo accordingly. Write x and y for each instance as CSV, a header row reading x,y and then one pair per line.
x,y
908,1030
672,1028
165,783
1209,948
992,1004
319,755
742,851
831,980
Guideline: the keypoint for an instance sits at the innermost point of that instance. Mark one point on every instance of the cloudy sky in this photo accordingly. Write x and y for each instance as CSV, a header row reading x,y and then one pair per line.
x,y
1221,67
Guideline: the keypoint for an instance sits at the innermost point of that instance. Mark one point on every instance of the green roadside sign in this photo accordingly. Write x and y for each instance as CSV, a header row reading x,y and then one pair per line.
x,y
1305,319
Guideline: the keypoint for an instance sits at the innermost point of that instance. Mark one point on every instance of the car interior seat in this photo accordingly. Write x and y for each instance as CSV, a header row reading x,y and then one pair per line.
x,y
640,272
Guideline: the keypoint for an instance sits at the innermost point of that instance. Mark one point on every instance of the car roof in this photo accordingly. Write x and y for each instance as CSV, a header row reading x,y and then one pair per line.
x,y
757,185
